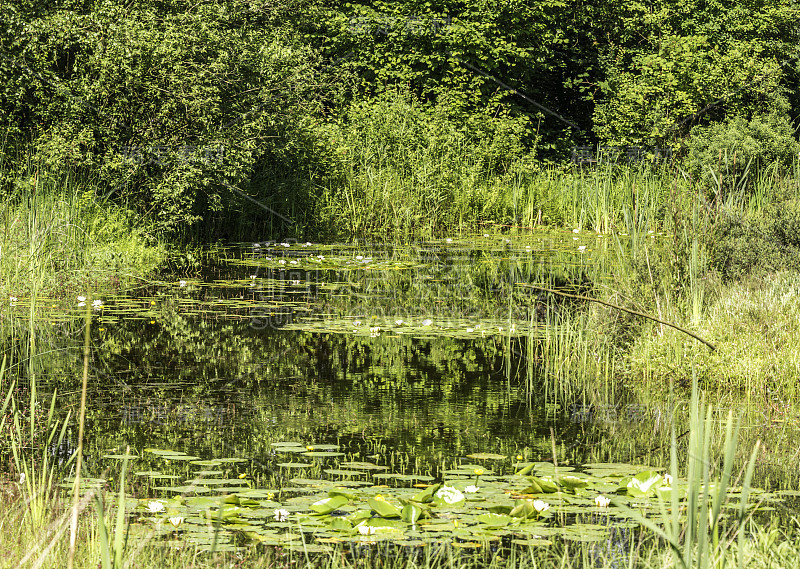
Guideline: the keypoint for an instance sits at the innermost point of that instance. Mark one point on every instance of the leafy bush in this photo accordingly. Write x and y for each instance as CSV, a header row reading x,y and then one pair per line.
x,y
729,156
769,241
167,108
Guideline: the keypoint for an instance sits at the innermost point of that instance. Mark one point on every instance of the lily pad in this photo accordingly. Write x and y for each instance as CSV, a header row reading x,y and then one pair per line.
x,y
487,456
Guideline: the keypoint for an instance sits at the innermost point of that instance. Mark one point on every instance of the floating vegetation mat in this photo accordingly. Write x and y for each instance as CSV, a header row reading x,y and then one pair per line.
x,y
487,499
462,289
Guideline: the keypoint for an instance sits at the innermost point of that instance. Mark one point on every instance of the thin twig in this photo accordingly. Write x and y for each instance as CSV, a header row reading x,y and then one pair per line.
x,y
628,310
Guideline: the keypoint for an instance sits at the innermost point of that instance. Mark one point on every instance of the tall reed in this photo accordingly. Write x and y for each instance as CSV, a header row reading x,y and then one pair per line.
x,y
699,538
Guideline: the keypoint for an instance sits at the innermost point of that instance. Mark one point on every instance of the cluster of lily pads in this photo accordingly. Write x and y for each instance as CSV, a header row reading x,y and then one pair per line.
x,y
531,503
450,327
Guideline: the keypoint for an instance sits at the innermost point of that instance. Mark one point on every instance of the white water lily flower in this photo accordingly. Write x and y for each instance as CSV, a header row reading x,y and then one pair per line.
x,y
540,506
602,501
282,262
183,283
398,322
292,262
176,521
359,257
256,245
13,298
97,303
285,245
427,322
357,323
448,240
365,530
81,299
471,489
450,495
155,507
486,235
470,329
281,515
582,248
576,230
668,479
22,478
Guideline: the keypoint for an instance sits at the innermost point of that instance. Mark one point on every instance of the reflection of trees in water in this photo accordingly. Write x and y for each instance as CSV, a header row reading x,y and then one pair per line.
x,y
432,283
199,383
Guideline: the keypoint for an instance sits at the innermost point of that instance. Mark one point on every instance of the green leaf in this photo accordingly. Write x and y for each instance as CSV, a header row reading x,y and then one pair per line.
x,y
527,470
348,495
327,505
339,524
427,494
524,509
534,488
572,483
547,485
644,483
411,513
495,520
383,508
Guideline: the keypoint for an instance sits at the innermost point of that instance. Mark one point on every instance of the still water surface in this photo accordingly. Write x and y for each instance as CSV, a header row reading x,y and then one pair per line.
x,y
302,365
415,350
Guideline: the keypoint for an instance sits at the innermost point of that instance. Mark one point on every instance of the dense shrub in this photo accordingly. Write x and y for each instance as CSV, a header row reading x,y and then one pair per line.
x,y
731,155
768,241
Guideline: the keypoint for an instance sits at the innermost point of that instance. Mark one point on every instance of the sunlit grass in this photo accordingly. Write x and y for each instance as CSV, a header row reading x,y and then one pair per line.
x,y
58,239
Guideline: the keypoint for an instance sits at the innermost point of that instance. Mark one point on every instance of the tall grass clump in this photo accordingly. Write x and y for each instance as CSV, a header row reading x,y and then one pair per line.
x,y
57,237
691,520
404,170
602,200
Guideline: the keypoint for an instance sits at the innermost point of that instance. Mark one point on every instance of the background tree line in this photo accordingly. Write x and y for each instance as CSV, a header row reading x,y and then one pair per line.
x,y
187,112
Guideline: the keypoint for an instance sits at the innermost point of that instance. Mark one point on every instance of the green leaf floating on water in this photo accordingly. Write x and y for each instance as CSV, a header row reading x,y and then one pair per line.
x,y
360,515
495,520
427,494
383,508
327,505
527,470
643,484
348,495
665,493
411,512
339,524
573,483
523,510
541,486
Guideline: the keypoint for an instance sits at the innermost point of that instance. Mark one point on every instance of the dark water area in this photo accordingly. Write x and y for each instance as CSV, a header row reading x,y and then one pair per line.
x,y
249,353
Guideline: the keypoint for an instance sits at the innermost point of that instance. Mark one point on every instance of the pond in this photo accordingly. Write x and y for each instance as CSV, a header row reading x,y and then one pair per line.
x,y
305,394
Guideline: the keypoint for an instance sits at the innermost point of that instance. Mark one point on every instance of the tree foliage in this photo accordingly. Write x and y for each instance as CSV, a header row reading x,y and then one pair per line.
x,y
186,111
